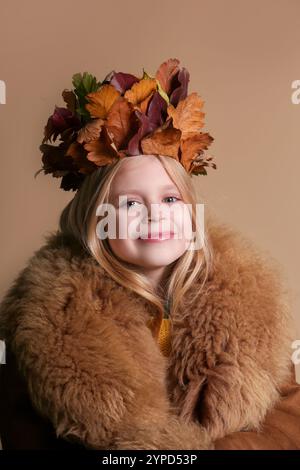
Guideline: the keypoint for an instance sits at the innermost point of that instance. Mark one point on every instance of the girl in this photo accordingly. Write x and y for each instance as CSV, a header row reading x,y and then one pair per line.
x,y
146,341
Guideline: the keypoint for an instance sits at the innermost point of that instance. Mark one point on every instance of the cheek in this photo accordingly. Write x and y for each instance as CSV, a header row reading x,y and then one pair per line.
x,y
182,223
124,248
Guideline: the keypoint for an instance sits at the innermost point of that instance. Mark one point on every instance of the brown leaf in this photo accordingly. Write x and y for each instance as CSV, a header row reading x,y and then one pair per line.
x,y
79,158
199,164
101,101
102,151
120,121
187,116
192,147
141,90
166,72
70,98
162,142
90,131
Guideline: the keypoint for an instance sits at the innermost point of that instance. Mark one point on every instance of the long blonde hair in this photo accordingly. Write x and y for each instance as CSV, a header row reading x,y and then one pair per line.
x,y
79,220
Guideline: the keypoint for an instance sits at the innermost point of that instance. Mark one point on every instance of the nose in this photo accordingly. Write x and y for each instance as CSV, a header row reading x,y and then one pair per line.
x,y
154,212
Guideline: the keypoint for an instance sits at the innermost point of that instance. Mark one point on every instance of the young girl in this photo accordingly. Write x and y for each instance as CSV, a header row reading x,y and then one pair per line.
x,y
144,341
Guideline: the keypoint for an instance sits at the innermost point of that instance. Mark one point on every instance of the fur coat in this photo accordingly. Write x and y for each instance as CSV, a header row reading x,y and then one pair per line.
x,y
84,370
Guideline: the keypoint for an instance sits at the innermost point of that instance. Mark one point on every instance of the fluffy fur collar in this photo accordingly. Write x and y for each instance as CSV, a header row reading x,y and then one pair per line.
x,y
89,359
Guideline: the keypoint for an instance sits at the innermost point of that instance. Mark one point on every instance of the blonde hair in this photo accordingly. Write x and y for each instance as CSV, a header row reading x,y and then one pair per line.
x,y
79,220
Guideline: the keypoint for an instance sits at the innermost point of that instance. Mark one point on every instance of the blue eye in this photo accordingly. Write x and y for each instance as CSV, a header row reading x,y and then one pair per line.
x,y
131,201
172,197
168,197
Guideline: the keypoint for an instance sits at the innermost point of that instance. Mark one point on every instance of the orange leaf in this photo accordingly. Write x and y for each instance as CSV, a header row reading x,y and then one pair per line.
x,y
162,142
102,151
90,131
166,72
192,146
119,120
140,90
101,101
187,116
144,104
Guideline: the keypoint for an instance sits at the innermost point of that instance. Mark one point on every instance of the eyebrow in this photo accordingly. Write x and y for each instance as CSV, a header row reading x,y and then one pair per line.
x,y
165,187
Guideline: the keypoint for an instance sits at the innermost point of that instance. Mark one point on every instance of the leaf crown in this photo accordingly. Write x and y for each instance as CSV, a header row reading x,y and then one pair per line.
x,y
123,116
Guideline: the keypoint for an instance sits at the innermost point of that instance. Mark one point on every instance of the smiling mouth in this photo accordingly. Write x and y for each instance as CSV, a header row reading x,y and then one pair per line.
x,y
157,237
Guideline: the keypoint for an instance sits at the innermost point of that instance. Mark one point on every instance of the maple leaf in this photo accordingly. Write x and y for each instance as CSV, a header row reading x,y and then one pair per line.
x,y
162,142
188,117
140,91
90,131
192,147
102,151
101,101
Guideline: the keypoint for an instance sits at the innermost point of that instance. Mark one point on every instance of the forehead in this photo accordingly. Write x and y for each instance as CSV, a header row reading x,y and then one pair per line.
x,y
140,174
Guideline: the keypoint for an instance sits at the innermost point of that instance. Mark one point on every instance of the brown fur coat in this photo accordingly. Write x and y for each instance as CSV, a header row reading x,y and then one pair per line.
x,y
94,371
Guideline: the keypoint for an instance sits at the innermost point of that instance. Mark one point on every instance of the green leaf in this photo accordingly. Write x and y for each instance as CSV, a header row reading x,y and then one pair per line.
x,y
83,85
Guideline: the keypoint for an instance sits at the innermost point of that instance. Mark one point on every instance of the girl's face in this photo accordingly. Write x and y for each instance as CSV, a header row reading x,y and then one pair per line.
x,y
148,187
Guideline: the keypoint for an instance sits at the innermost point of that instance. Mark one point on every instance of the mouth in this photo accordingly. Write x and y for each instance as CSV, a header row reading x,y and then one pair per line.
x,y
157,237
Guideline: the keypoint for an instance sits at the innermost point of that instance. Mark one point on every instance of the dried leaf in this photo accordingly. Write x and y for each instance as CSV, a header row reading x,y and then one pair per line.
x,y
70,99
91,131
140,90
143,106
162,142
179,89
102,151
123,81
145,127
79,158
101,101
120,121
192,147
165,73
187,117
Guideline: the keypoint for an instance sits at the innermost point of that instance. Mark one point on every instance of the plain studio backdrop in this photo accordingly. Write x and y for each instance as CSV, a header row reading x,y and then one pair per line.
x,y
243,58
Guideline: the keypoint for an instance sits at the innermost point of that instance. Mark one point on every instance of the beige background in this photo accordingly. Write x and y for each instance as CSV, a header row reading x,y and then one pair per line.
x,y
242,56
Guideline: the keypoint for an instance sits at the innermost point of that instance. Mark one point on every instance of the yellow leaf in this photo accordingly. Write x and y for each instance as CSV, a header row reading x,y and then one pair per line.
x,y
140,90
101,101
